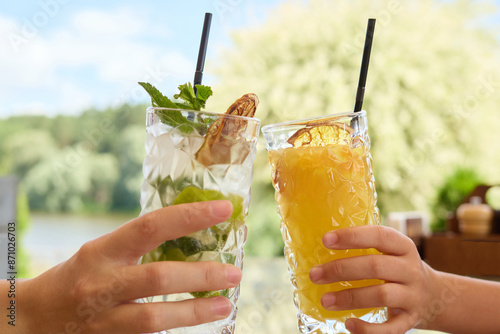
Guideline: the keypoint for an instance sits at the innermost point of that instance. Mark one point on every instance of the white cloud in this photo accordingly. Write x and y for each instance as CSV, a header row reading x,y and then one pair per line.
x,y
99,23
73,98
109,46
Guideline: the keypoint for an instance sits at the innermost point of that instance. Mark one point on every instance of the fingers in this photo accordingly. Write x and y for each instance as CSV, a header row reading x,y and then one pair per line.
x,y
397,324
399,264
162,278
384,267
147,232
381,295
133,318
385,239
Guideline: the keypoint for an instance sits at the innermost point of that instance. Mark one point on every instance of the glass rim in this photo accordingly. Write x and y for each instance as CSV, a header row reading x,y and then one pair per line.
x,y
271,127
150,110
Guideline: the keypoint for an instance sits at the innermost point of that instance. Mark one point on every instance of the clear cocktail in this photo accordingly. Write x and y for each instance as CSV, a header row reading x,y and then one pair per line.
x,y
187,163
322,173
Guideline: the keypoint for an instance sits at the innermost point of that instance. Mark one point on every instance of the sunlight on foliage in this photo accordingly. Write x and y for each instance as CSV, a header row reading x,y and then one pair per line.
x,y
86,163
432,93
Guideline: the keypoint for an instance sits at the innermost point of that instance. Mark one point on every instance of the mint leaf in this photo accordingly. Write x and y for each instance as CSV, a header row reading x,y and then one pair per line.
x,y
203,93
157,98
195,101
187,94
191,101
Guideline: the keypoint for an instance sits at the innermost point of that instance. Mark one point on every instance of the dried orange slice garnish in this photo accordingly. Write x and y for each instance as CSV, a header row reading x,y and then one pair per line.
x,y
329,133
222,135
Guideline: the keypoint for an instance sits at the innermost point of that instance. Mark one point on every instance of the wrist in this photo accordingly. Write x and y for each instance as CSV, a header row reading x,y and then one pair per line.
x,y
25,314
434,303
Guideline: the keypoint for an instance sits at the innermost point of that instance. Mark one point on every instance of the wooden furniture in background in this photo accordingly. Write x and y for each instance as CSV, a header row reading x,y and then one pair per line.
x,y
465,254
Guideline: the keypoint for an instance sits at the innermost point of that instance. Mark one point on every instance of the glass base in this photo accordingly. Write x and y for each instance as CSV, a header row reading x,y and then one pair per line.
x,y
224,326
309,325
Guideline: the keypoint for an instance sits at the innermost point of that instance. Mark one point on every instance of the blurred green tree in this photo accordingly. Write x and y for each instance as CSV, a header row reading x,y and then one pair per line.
x,y
90,162
104,174
433,87
21,152
460,183
23,224
65,130
68,181
53,186
130,156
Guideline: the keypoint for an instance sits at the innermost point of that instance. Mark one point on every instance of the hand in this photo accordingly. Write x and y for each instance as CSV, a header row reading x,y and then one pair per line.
x,y
409,281
95,290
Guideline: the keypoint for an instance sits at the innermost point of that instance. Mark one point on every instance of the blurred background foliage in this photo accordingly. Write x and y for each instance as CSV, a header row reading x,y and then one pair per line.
x,y
86,163
433,93
23,224
452,192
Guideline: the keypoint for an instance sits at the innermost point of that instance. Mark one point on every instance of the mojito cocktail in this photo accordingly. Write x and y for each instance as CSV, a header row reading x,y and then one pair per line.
x,y
322,174
204,157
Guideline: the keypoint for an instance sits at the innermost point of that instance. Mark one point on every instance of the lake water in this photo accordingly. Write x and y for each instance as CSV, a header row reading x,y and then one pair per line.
x,y
52,239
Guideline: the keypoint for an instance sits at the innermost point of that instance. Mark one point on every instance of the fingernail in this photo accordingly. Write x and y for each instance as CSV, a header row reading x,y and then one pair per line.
x,y
329,239
233,274
328,300
221,306
350,325
221,209
315,274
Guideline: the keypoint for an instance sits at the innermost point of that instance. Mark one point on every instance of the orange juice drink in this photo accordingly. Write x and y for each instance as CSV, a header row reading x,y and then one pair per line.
x,y
322,173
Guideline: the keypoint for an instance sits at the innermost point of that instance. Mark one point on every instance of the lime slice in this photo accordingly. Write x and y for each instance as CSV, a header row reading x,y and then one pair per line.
x,y
194,194
208,294
153,256
174,254
190,248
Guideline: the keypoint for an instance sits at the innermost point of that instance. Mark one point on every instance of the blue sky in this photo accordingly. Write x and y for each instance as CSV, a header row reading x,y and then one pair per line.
x,y
62,56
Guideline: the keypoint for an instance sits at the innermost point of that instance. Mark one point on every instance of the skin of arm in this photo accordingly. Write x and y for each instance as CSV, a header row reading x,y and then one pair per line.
x,y
416,295
464,305
95,291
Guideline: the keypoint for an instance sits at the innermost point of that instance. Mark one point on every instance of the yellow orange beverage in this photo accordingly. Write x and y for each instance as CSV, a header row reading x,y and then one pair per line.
x,y
322,173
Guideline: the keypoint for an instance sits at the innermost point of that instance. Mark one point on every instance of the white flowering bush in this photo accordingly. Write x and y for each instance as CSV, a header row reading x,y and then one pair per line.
x,y
432,95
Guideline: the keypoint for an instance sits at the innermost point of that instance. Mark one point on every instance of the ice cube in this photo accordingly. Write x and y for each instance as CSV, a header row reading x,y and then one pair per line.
x,y
158,129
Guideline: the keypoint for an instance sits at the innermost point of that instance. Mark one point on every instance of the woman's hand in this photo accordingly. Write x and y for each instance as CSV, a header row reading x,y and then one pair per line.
x,y
95,290
409,281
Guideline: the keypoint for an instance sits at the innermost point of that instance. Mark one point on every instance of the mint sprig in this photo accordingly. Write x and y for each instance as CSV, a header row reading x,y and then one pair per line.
x,y
189,100
194,101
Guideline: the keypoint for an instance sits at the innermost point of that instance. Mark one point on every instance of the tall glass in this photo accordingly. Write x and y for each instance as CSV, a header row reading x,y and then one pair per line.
x,y
194,156
322,174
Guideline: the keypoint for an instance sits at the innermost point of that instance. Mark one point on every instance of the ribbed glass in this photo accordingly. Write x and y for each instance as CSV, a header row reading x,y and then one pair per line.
x,y
180,167
321,187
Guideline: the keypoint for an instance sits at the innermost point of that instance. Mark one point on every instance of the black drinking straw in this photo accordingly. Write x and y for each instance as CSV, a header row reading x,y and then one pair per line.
x,y
364,65
198,75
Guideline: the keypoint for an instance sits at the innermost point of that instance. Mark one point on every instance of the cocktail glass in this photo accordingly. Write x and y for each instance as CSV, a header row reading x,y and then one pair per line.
x,y
322,174
185,162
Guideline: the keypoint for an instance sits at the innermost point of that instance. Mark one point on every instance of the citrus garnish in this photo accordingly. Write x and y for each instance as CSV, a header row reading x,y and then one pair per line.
x,y
222,135
329,133
208,294
194,194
